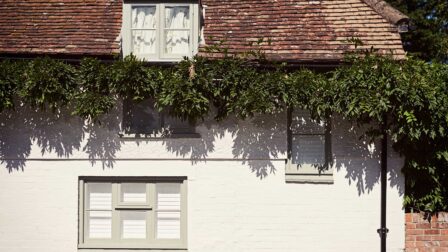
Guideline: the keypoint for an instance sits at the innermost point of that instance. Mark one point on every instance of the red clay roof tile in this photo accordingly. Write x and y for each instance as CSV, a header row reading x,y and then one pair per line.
x,y
72,27
298,30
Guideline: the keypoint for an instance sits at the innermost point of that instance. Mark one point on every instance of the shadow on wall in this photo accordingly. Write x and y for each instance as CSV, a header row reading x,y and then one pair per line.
x,y
255,142
58,133
361,159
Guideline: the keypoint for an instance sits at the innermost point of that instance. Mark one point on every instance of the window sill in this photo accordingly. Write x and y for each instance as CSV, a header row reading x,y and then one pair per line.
x,y
126,249
308,174
131,137
309,178
111,247
161,61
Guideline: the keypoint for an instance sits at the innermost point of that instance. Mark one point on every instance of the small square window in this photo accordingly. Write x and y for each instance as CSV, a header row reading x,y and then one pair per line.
x,y
134,213
158,31
142,120
309,149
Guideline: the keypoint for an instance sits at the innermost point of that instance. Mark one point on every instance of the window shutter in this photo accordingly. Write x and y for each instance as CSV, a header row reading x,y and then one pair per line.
x,y
133,192
133,224
168,211
99,206
133,213
100,225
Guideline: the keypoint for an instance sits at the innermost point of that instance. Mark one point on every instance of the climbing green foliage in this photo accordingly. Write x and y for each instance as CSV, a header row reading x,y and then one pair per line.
x,y
10,76
45,82
411,95
93,97
181,91
130,79
422,137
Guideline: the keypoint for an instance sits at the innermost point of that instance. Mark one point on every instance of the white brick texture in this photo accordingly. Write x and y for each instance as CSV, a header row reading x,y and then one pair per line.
x,y
237,196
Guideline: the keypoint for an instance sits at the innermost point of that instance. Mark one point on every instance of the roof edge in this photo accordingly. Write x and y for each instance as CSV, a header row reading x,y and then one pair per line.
x,y
391,14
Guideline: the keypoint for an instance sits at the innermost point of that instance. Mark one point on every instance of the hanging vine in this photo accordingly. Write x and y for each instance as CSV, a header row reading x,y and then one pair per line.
x,y
411,93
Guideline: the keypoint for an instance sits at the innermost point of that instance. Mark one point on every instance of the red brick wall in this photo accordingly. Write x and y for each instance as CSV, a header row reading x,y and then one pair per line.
x,y
426,234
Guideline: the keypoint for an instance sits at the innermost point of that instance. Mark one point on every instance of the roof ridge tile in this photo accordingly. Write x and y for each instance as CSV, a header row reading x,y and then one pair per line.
x,y
391,14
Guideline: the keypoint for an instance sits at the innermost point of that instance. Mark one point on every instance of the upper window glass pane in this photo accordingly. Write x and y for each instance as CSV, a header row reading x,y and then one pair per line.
x,y
177,17
177,34
144,31
144,17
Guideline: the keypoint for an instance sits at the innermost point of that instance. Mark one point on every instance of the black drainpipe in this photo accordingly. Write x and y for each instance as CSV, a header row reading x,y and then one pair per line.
x,y
383,230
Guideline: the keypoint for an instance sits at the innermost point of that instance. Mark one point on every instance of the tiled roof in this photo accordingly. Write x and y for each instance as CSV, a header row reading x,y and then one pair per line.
x,y
74,27
388,12
298,30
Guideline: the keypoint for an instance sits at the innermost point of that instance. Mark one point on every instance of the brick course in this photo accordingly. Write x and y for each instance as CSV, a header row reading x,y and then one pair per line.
x,y
427,233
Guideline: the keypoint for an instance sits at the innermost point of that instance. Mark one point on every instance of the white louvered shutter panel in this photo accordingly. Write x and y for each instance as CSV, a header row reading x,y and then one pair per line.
x,y
133,224
99,206
133,193
100,225
168,211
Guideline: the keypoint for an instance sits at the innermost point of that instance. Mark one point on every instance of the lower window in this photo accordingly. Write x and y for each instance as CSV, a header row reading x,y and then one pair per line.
x,y
132,212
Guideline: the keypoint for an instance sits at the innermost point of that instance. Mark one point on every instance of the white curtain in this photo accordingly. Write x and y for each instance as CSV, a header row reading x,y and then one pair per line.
x,y
144,30
177,24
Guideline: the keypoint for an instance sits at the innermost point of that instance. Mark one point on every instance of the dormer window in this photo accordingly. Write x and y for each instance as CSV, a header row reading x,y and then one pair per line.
x,y
157,31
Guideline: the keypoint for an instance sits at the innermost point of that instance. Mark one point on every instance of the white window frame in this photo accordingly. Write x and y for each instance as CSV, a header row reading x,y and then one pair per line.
x,y
151,242
308,173
163,129
160,55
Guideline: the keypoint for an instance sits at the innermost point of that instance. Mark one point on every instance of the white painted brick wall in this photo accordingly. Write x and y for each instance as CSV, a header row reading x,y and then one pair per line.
x,y
233,205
